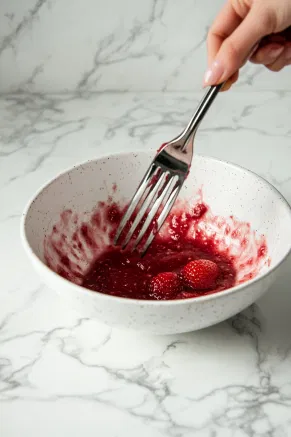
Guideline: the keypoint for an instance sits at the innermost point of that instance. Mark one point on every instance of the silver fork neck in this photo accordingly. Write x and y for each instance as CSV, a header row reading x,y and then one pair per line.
x,y
198,116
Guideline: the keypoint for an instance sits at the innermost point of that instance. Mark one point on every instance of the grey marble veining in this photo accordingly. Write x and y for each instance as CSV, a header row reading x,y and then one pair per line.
x,y
92,45
63,375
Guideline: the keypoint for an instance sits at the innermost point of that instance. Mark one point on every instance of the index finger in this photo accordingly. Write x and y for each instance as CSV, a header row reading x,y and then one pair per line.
x,y
223,26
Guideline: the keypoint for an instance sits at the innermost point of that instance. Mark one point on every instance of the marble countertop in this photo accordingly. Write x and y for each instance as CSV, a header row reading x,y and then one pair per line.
x,y
149,45
63,375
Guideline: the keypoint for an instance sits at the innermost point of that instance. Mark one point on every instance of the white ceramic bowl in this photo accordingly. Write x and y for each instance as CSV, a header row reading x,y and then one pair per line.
x,y
228,189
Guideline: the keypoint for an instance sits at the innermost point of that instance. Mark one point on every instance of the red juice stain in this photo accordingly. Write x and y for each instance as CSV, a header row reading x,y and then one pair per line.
x,y
199,210
244,242
125,274
114,214
65,261
154,179
262,251
96,219
76,241
188,235
161,147
86,234
66,215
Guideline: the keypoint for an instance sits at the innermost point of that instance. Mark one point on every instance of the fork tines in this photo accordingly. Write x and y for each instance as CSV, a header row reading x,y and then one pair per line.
x,y
150,205
161,184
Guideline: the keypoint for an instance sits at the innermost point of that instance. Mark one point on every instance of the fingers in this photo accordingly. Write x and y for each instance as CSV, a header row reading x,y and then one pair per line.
x,y
282,60
225,23
267,54
273,56
237,47
230,82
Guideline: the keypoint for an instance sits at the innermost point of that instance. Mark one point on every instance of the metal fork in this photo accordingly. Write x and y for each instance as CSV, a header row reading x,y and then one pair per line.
x,y
162,183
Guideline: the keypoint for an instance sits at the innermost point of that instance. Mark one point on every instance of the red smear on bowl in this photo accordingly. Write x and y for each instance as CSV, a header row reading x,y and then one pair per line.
x,y
80,249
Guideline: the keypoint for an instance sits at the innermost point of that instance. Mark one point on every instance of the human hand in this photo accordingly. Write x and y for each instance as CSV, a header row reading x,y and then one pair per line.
x,y
255,30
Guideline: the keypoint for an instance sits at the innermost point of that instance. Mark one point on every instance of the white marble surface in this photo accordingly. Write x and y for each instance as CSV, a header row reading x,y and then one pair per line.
x,y
148,45
63,375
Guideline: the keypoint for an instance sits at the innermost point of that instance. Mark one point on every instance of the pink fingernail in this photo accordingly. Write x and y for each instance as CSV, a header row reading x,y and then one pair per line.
x,y
213,74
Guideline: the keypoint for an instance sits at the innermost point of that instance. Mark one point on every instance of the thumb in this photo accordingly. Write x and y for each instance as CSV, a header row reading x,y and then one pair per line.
x,y
239,46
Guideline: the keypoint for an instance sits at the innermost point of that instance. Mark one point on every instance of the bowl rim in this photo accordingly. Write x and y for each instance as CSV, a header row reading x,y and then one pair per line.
x,y
199,299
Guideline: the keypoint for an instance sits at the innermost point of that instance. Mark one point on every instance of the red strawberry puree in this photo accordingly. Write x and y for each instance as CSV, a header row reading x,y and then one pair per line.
x,y
79,249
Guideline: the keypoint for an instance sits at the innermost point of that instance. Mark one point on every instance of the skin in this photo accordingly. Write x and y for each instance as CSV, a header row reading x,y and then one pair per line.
x,y
255,30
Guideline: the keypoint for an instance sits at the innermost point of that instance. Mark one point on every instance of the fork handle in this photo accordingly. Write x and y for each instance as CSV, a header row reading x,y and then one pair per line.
x,y
200,112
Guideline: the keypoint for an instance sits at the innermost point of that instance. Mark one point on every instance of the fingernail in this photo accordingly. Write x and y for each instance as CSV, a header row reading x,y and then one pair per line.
x,y
288,54
274,53
213,74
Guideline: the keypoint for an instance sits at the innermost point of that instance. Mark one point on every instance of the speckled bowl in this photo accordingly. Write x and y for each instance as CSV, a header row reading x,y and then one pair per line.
x,y
228,189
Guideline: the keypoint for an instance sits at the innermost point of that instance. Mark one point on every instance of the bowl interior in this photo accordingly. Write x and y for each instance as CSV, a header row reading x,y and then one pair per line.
x,y
228,190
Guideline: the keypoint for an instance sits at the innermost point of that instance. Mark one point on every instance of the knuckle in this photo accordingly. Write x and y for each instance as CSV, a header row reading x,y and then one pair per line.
x,y
267,22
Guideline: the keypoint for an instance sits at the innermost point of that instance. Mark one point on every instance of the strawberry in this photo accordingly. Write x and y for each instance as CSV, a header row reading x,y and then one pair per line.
x,y
165,286
200,274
